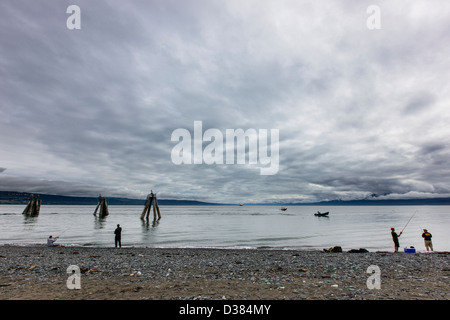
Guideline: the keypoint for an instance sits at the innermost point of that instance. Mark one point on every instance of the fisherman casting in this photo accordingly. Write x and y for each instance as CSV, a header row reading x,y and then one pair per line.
x,y
395,237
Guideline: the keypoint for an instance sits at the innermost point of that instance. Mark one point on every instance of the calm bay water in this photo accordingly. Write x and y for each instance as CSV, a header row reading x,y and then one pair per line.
x,y
351,227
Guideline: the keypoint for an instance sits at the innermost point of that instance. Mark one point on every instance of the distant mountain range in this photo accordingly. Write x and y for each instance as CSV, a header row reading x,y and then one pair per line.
x,y
13,197
378,202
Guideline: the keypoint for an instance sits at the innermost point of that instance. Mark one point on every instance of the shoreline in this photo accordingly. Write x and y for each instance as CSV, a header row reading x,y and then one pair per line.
x,y
138,273
277,248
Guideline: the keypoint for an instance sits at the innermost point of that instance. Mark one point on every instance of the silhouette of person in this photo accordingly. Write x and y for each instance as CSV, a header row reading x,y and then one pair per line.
x,y
395,238
118,237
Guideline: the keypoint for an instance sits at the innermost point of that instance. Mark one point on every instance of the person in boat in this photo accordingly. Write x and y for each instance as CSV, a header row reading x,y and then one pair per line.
x,y
395,237
427,238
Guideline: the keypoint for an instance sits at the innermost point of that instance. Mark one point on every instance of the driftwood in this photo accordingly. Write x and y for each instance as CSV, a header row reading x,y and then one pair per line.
x,y
151,199
33,207
103,206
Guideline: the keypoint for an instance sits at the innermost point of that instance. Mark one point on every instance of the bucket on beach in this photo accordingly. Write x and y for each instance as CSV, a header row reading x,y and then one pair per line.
x,y
410,250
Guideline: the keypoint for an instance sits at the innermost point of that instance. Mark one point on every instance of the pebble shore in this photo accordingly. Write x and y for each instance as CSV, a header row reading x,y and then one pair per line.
x,y
39,272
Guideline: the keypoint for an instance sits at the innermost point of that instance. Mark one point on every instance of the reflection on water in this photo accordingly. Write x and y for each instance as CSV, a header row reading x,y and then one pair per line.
x,y
29,223
30,220
99,222
146,224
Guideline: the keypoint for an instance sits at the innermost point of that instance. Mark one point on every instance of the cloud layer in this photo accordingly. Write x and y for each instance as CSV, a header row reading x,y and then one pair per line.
x,y
359,111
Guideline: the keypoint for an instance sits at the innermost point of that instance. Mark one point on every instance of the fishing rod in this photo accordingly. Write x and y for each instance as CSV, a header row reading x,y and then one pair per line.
x,y
408,221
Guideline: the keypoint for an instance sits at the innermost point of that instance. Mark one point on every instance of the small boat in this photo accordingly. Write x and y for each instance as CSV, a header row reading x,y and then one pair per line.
x,y
321,214
283,209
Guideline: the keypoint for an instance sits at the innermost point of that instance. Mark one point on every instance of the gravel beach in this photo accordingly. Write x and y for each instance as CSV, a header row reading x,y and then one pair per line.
x,y
39,272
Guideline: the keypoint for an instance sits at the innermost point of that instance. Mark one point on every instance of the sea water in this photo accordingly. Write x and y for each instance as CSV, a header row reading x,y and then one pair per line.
x,y
351,227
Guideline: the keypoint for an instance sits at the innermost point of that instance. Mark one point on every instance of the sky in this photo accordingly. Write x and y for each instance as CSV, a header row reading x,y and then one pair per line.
x,y
359,98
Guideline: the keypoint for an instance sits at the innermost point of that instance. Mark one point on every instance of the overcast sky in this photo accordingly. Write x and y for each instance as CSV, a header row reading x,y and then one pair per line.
x,y
359,111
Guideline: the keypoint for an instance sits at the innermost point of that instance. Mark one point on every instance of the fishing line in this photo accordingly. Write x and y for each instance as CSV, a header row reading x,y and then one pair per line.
x,y
409,221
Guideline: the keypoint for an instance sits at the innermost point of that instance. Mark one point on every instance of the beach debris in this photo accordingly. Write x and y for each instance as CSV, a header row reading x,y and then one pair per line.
x,y
151,199
103,206
333,249
33,207
361,250
84,269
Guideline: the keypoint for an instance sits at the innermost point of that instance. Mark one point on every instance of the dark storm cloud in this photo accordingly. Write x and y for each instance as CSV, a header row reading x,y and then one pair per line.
x,y
359,111
419,103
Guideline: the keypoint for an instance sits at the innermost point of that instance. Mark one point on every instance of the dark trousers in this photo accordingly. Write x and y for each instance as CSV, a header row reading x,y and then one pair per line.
x,y
118,241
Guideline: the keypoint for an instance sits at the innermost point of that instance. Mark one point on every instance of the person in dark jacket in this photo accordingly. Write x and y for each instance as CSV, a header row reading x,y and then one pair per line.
x,y
118,237
395,237
427,238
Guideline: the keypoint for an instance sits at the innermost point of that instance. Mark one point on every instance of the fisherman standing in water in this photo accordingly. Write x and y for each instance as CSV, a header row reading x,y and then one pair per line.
x,y
395,238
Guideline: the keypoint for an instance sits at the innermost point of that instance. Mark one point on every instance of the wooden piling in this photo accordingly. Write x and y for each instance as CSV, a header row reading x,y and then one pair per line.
x,y
103,206
157,208
96,208
144,211
33,207
27,208
151,199
154,212
147,206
